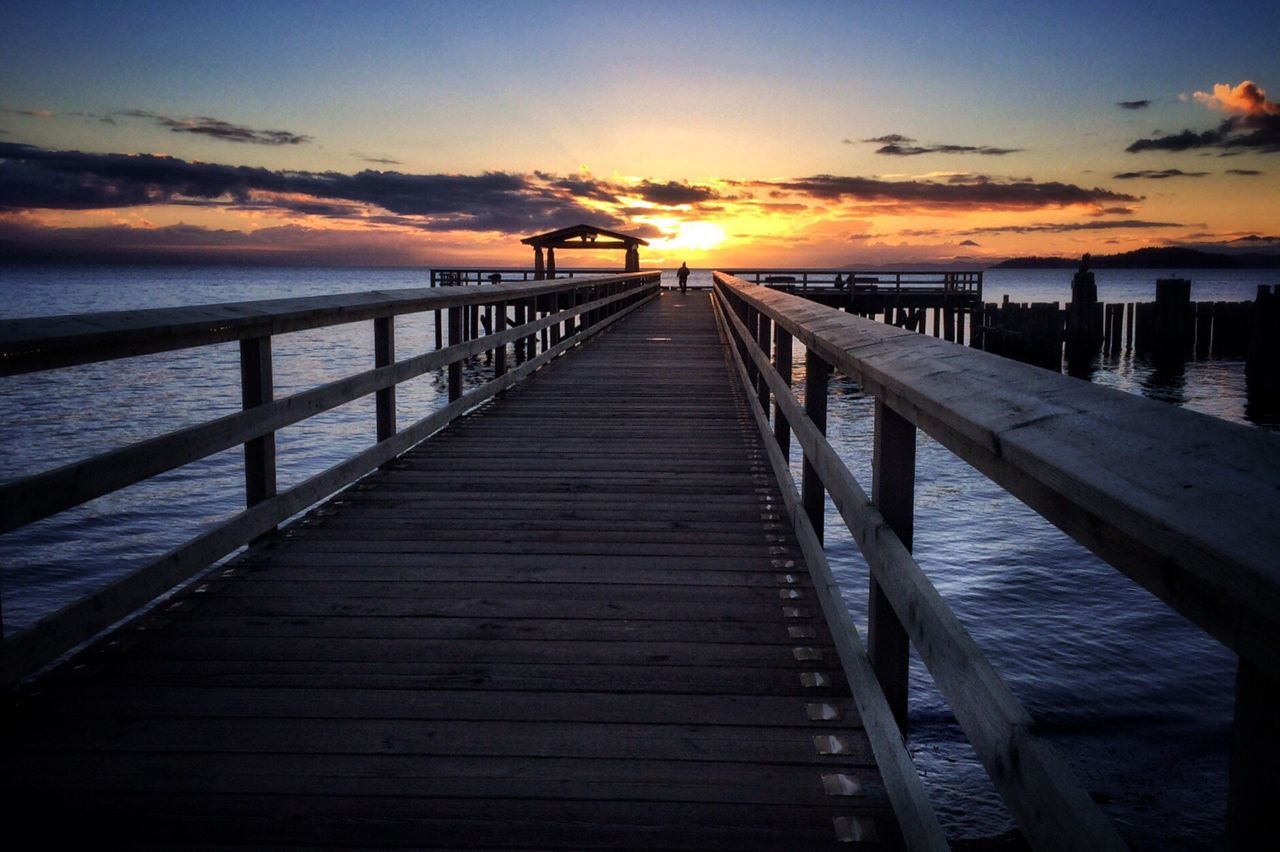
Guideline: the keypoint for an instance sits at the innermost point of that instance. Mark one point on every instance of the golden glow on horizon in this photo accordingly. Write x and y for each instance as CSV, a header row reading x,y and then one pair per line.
x,y
690,236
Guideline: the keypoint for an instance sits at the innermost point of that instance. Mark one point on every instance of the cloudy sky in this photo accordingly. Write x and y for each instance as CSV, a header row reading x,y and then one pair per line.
x,y
726,133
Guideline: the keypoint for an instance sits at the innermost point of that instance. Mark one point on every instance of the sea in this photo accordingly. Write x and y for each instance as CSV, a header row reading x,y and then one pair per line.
x,y
1138,700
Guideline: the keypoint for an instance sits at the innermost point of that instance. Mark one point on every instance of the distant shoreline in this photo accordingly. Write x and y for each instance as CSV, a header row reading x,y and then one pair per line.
x,y
1150,258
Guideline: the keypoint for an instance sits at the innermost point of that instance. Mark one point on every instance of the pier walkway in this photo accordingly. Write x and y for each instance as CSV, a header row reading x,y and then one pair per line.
x,y
577,618
584,603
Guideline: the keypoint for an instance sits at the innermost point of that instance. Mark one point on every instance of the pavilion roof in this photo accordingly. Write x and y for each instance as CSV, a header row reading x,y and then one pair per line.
x,y
581,236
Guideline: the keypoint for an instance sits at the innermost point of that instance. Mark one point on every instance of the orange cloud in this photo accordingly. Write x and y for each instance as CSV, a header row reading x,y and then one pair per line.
x,y
1245,99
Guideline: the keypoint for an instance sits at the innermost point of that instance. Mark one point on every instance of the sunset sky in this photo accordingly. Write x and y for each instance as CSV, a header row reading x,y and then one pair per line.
x,y
780,134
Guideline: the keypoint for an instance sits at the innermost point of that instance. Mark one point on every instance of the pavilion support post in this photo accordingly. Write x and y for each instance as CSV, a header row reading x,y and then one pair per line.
x,y
539,270
551,262
893,477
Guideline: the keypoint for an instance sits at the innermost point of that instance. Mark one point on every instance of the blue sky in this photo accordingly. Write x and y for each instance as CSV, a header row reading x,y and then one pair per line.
x,y
709,94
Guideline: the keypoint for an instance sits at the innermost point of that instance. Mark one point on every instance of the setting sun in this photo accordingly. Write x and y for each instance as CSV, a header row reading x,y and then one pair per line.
x,y
692,236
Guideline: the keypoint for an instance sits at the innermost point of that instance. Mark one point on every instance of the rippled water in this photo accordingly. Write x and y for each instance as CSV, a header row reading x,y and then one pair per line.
x,y
1139,700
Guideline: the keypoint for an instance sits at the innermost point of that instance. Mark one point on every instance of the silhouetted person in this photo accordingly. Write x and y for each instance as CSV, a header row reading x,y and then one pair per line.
x,y
839,282
683,274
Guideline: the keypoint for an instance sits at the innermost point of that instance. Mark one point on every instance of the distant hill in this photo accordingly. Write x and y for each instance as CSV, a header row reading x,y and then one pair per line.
x,y
1151,258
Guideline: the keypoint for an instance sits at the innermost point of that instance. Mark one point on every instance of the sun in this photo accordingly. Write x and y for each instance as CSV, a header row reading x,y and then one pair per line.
x,y
692,236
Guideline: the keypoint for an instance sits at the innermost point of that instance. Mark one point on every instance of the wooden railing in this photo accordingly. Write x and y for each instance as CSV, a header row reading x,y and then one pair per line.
x,y
868,280
1184,504
565,311
455,276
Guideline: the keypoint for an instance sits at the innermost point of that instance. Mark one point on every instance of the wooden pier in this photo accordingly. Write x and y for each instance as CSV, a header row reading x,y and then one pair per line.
x,y
561,623
585,604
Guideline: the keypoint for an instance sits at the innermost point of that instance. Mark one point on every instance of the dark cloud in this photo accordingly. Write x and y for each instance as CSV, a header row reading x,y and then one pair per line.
x,y
216,128
1133,104
583,187
1152,174
1243,172
381,161
672,193
897,145
1114,211
969,243
1066,227
29,113
35,178
978,192
1258,132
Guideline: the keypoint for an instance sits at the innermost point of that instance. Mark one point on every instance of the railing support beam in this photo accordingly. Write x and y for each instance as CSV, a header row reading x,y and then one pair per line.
x,y
384,354
782,361
256,388
813,496
500,325
762,339
892,491
1253,797
455,367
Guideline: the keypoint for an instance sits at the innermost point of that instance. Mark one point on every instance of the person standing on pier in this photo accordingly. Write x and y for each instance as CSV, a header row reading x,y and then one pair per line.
x,y
683,274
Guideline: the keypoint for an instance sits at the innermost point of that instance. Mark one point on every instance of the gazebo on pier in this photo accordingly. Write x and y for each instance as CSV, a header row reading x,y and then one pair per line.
x,y
581,237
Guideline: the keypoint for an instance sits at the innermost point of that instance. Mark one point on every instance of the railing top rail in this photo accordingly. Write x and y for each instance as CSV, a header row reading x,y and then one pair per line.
x,y
1181,502
42,343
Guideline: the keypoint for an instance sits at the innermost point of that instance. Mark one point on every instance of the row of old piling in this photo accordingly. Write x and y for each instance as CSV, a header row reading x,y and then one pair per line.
x,y
1172,328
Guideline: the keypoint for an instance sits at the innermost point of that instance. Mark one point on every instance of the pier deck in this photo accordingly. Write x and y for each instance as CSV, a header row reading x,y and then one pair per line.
x,y
578,618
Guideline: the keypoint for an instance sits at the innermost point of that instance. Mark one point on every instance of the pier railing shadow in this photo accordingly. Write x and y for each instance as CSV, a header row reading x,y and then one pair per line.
x,y
547,318
1182,503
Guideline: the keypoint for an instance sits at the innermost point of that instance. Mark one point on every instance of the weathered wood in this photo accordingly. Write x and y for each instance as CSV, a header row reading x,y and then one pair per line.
x,y
1036,784
661,704
813,495
1183,522
384,354
919,825
782,363
456,336
893,492
27,651
1252,794
256,388
43,343
500,353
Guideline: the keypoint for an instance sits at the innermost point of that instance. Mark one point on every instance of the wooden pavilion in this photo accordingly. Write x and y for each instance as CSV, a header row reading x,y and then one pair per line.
x,y
581,237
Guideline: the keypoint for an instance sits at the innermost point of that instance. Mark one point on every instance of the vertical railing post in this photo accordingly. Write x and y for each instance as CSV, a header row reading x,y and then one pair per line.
x,y
1253,797
762,339
384,354
531,349
455,366
500,352
893,478
518,307
782,361
813,496
256,388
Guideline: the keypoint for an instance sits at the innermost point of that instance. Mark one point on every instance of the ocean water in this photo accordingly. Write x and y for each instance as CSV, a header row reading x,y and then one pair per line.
x,y
1138,700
